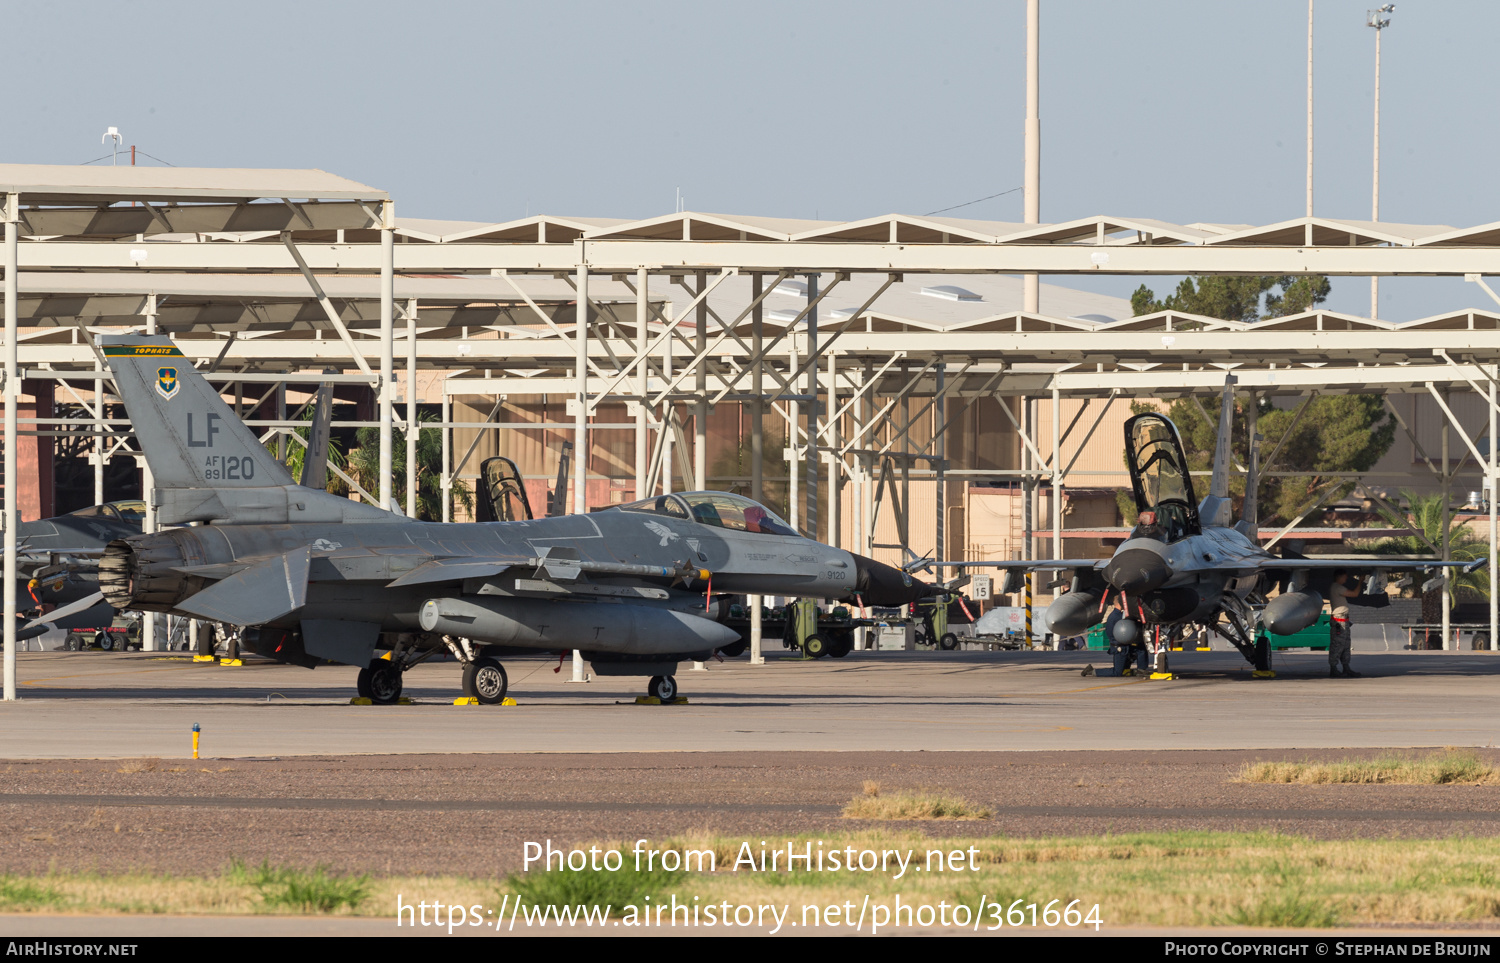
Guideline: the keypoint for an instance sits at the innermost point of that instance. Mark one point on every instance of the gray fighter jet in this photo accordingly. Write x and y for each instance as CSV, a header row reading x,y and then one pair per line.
x,y
1189,563
59,566
304,575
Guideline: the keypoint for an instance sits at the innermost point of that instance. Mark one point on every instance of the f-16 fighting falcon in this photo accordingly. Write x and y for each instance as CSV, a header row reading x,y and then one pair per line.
x,y
59,565
305,576
1187,562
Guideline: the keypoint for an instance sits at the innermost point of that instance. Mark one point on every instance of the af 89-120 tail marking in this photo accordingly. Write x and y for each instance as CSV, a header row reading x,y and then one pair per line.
x,y
191,439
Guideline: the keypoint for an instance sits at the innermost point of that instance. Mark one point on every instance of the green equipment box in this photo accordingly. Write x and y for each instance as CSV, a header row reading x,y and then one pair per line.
x,y
1315,636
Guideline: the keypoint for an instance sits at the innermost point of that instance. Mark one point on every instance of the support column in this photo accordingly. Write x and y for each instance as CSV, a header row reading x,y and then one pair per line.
x,y
667,407
642,371
447,484
905,536
940,449
700,382
12,391
1027,487
1490,486
794,465
387,343
101,444
1057,551
1250,509
581,412
835,522
757,387
700,407
150,620
1447,525
812,408
581,421
413,424
757,446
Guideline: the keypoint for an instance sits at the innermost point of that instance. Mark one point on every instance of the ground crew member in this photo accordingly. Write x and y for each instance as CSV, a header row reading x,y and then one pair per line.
x,y
1339,594
1122,651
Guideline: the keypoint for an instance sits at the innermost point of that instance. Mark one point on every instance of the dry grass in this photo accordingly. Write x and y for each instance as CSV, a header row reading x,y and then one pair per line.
x,y
1156,879
139,765
870,804
1451,768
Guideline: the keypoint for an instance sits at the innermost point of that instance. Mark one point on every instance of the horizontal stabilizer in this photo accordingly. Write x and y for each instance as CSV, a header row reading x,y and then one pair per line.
x,y
88,612
265,591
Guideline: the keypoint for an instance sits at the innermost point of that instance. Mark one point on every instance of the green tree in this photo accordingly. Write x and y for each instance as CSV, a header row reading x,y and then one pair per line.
x,y
1424,513
364,466
1237,297
1342,433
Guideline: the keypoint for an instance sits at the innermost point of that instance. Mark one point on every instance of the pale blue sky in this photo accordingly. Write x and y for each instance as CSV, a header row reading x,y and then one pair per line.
x,y
1184,110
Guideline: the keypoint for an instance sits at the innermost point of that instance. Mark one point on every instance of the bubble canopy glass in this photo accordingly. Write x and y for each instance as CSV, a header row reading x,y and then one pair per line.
x,y
1159,475
719,509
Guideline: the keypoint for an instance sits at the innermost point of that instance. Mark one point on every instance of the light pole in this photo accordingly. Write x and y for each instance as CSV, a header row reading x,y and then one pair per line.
x,y
1309,118
1377,19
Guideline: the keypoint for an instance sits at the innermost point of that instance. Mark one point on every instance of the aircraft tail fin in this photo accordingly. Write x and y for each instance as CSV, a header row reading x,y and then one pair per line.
x,y
189,436
315,462
1223,450
1215,511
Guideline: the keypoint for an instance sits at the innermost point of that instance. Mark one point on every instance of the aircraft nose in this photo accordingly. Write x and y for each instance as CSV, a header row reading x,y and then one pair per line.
x,y
885,585
1136,571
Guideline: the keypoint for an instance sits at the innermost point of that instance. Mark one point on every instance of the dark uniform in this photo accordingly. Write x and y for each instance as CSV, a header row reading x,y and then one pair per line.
x,y
1338,629
1120,651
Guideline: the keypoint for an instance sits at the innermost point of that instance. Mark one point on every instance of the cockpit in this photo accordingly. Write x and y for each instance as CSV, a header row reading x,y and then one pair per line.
x,y
123,511
1160,479
718,509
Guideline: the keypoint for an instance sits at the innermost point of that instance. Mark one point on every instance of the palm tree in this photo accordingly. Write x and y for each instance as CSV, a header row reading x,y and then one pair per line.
x,y
364,466
1425,515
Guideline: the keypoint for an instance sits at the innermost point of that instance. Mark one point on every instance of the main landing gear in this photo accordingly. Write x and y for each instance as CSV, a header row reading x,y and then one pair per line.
x,y
485,680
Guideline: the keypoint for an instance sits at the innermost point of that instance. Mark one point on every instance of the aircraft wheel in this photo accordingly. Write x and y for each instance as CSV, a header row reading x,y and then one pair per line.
x,y
362,683
948,642
485,680
815,646
384,682
841,645
663,687
1263,654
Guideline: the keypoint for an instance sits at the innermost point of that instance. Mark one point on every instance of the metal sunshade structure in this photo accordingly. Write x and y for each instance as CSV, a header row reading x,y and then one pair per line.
x,y
311,261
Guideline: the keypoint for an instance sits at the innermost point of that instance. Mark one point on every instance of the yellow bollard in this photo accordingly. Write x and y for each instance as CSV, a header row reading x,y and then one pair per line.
x,y
196,730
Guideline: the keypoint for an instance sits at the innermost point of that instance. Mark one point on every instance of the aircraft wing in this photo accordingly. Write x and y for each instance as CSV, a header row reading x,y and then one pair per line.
x,y
451,569
1368,562
1024,565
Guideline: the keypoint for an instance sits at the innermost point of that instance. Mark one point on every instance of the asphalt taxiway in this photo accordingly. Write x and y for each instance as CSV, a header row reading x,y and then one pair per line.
x,y
113,705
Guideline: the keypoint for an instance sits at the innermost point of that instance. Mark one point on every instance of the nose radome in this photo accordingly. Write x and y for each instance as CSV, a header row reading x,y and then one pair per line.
x,y
1136,571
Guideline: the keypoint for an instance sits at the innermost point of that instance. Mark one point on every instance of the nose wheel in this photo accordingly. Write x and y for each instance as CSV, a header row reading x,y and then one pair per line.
x,y
380,682
663,687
